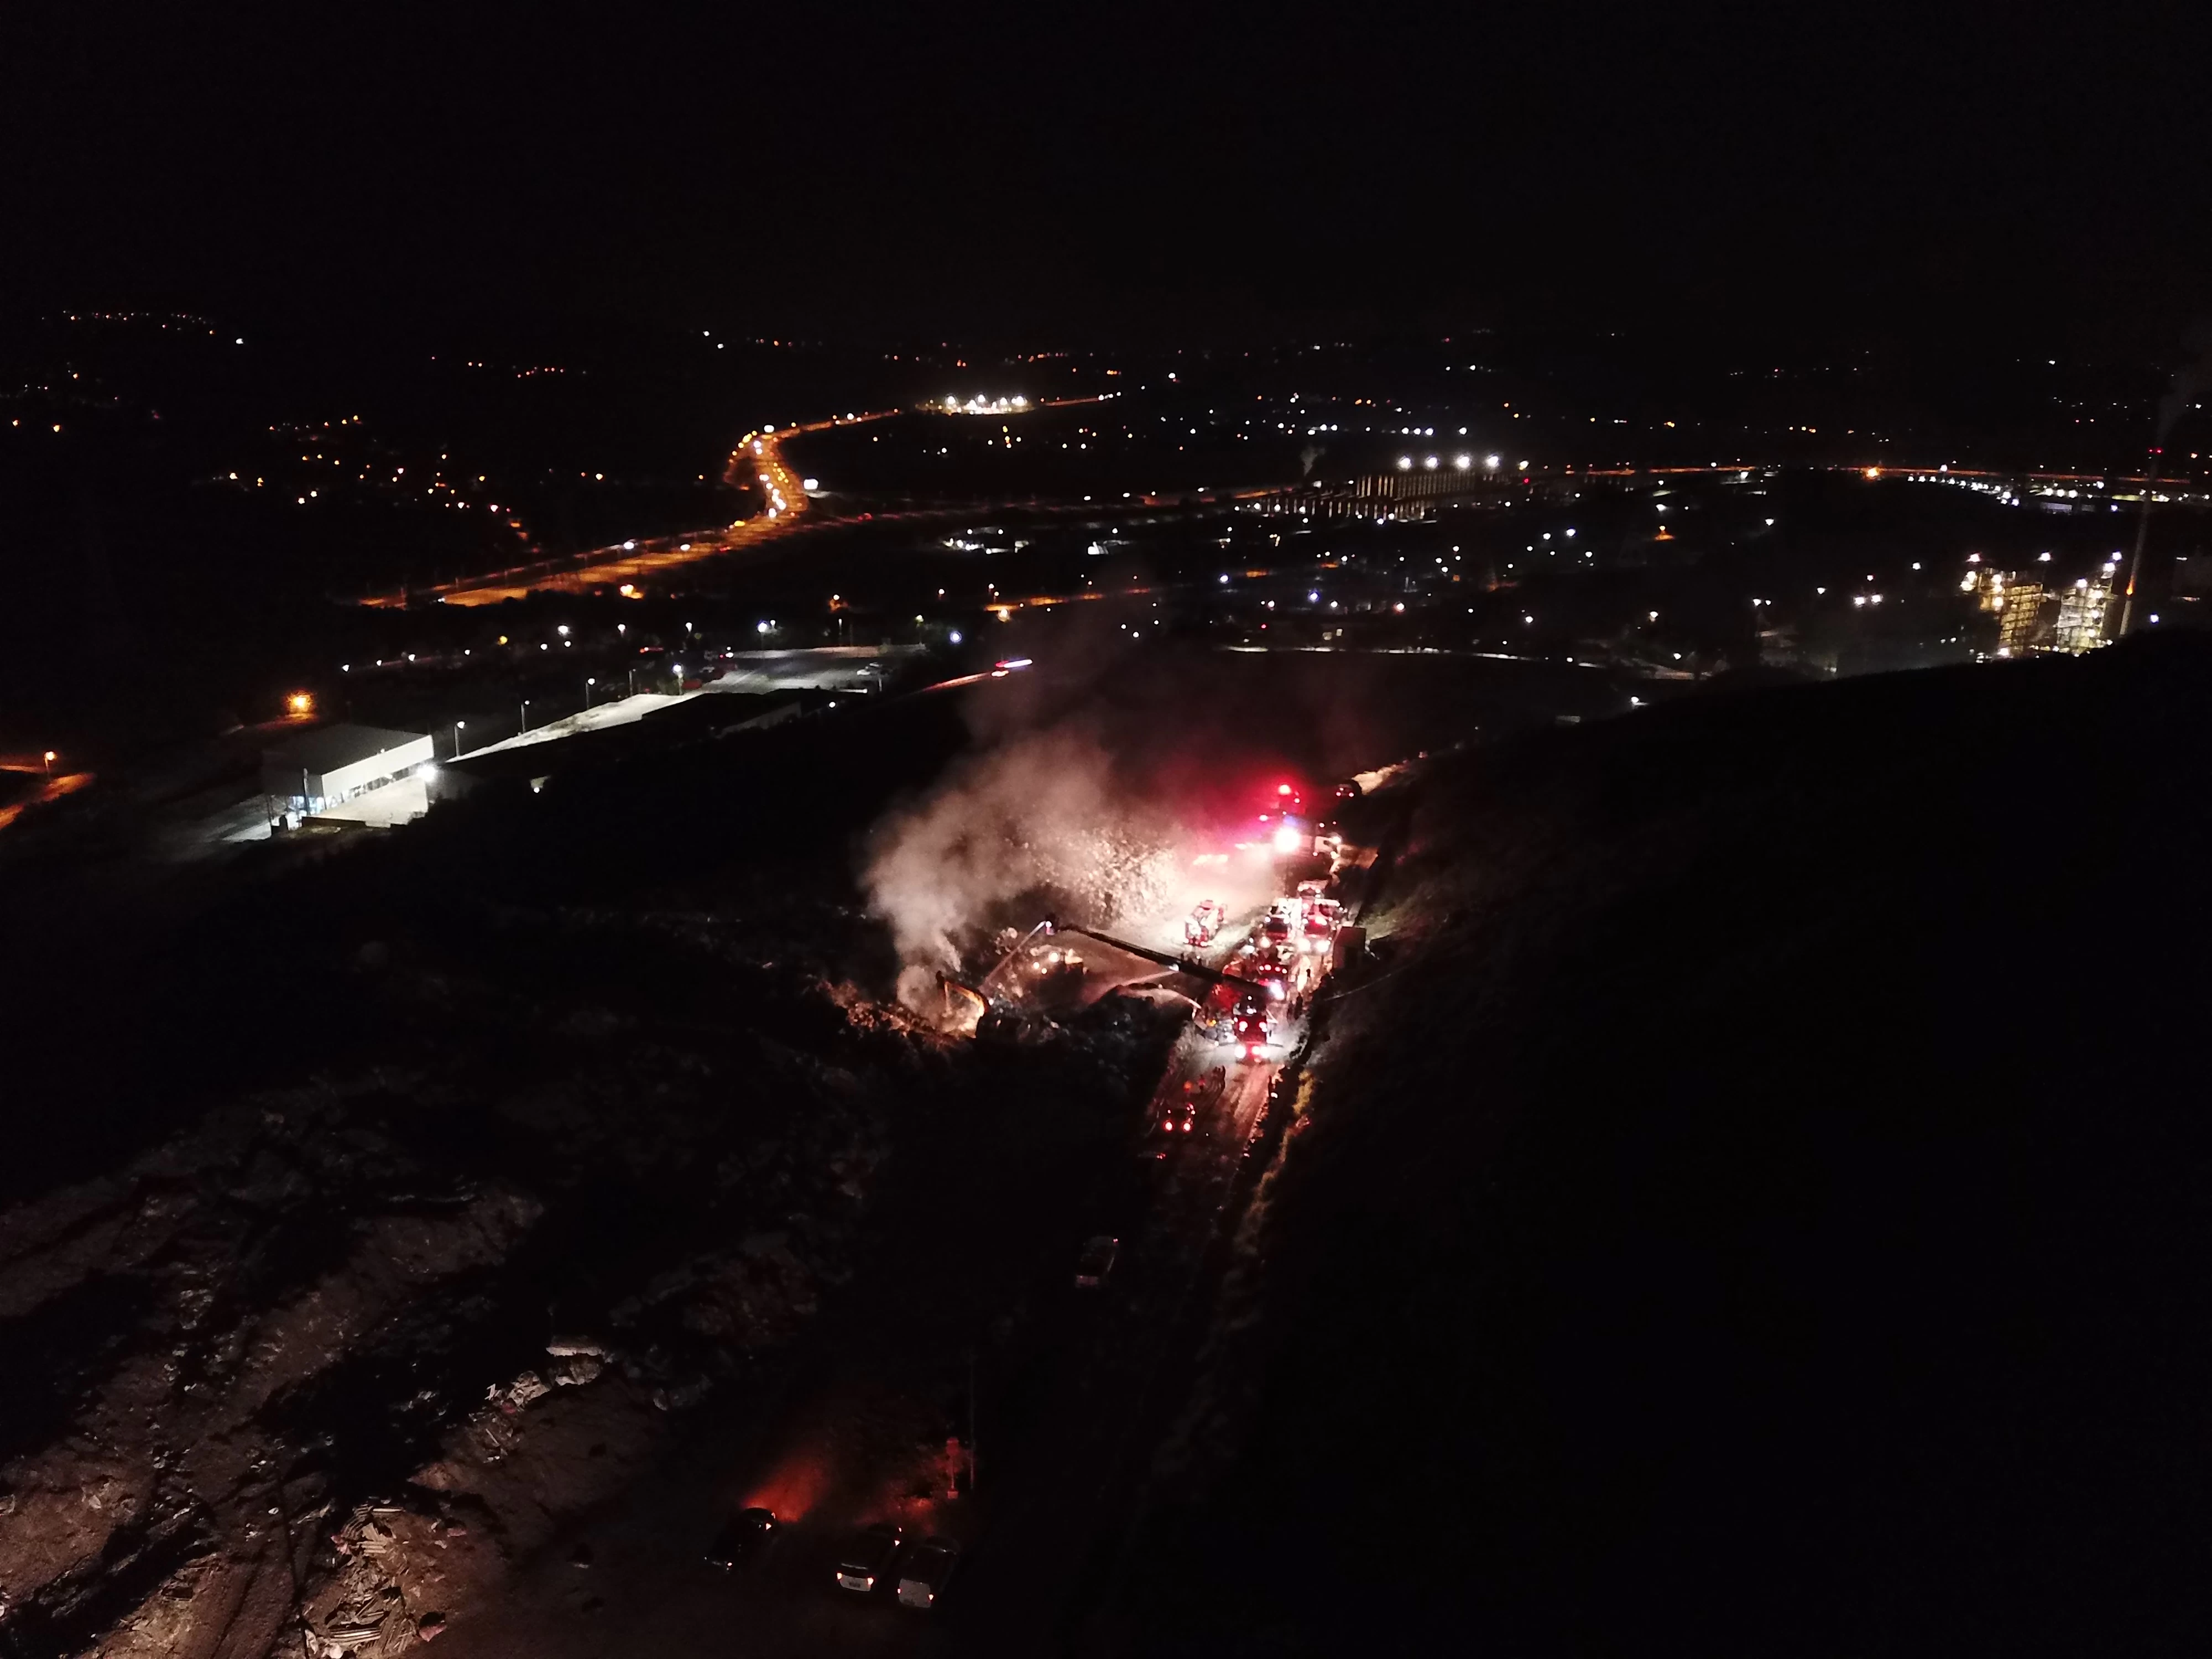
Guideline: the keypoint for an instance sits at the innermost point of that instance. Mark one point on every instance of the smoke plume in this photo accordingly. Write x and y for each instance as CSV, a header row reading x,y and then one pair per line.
x,y
2189,383
1041,824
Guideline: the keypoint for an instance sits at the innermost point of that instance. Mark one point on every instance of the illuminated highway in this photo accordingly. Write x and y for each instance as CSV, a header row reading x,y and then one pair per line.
x,y
52,785
756,462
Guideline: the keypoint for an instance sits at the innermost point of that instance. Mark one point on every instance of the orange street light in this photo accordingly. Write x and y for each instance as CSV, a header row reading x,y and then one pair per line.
x,y
50,760
300,703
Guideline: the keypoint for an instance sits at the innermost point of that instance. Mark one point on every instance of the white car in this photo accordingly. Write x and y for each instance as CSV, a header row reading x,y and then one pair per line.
x,y
927,1569
867,1557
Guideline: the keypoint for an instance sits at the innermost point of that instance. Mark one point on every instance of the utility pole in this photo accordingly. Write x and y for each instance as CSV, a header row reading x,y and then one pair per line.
x,y
2142,534
972,1477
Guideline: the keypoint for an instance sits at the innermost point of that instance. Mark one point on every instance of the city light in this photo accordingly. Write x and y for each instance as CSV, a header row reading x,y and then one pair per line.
x,y
300,703
951,405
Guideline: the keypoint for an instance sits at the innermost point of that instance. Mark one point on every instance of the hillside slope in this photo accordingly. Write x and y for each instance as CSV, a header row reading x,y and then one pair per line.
x,y
1760,1204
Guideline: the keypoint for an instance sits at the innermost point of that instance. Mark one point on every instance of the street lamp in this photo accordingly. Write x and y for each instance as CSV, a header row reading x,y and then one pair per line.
x,y
50,762
458,725
525,726
589,682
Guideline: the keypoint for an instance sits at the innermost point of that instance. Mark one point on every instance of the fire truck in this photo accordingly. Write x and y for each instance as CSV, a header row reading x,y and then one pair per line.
x,y
1199,926
1323,915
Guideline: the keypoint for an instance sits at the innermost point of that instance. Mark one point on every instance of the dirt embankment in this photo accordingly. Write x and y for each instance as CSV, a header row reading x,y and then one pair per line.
x,y
348,1349
1739,1212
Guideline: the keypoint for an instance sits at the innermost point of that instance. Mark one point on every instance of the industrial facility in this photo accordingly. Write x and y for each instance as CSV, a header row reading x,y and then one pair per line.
x,y
317,771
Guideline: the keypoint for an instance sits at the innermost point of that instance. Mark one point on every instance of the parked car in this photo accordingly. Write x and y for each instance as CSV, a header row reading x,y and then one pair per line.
x,y
926,1571
747,1534
1096,1261
868,1557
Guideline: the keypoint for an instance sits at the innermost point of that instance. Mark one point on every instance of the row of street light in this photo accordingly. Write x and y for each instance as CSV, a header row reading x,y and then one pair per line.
x,y
590,681
1459,463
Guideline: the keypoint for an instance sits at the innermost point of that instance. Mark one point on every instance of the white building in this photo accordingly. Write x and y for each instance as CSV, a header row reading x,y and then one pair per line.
x,y
318,770
2081,614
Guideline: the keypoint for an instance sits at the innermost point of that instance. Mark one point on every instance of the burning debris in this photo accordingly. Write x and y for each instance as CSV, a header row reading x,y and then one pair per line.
x,y
1042,826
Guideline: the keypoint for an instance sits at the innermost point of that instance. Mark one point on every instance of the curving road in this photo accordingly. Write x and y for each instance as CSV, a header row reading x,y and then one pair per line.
x,y
758,460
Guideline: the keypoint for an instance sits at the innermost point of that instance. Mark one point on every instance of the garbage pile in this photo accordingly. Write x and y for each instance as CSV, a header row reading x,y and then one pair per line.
x,y
329,1359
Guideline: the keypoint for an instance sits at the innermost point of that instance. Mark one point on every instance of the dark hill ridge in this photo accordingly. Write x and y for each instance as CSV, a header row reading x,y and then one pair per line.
x,y
1766,1210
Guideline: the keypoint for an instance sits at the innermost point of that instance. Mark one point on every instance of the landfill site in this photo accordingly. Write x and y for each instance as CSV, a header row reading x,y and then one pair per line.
x,y
733,1188
1142,1157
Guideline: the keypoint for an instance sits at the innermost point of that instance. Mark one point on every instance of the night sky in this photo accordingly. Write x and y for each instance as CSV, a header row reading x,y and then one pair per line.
x,y
1123,168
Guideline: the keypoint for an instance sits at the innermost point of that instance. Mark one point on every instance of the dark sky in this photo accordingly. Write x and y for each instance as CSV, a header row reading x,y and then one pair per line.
x,y
1065,167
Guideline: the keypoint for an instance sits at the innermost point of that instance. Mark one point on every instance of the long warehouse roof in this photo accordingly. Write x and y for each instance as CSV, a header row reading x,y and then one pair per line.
x,y
336,746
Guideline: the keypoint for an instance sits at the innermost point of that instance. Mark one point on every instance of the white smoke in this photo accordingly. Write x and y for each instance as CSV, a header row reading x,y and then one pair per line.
x,y
1043,811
